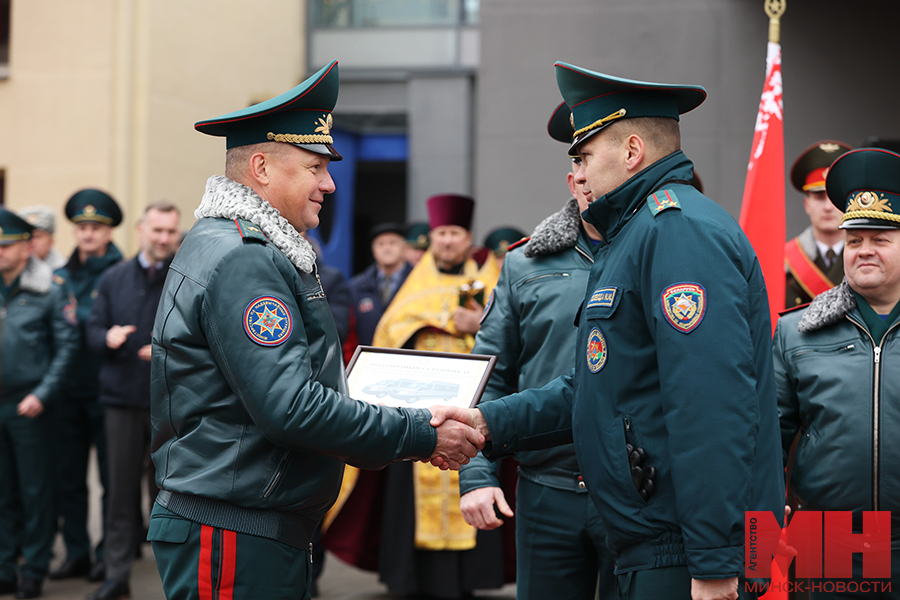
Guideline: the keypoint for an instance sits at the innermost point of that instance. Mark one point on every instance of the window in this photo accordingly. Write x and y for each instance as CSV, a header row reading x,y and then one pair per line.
x,y
4,38
393,13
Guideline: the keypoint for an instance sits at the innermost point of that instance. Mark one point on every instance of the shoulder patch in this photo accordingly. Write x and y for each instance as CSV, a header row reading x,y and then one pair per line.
x,y
487,307
250,232
684,305
59,280
662,200
521,242
268,321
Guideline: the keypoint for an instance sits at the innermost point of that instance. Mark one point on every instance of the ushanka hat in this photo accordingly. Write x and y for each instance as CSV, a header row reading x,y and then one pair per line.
x,y
301,116
865,184
597,100
809,170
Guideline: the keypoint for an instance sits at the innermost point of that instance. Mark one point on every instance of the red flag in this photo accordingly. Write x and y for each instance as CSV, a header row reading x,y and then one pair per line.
x,y
762,209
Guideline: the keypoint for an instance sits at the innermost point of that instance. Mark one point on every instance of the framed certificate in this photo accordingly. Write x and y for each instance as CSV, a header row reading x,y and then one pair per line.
x,y
418,379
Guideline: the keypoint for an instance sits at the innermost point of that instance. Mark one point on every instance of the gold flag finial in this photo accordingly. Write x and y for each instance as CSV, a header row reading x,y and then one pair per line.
x,y
775,8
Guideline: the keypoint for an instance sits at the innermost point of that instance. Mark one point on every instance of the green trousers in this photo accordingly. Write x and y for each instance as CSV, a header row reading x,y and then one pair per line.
x,y
199,562
25,493
673,583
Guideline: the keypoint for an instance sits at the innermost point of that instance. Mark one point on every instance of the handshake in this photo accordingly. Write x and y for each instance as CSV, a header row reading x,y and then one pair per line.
x,y
461,433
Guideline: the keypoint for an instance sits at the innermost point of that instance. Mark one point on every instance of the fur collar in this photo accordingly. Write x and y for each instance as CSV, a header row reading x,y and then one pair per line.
x,y
227,199
557,232
36,277
828,308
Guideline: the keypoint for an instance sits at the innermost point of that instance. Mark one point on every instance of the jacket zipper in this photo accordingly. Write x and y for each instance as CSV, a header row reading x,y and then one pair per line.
x,y
876,407
584,254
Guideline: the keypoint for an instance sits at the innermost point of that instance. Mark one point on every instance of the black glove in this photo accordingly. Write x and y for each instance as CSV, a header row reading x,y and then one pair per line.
x,y
641,475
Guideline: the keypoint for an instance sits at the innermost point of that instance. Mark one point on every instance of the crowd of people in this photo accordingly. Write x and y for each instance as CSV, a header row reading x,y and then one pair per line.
x,y
76,347
638,407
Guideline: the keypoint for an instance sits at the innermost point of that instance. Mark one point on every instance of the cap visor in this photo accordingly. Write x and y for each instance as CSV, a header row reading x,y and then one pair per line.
x,y
323,149
868,224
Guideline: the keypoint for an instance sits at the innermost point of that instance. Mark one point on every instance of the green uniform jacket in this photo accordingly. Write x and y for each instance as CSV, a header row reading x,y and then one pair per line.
x,y
39,342
245,379
81,280
687,376
529,326
841,387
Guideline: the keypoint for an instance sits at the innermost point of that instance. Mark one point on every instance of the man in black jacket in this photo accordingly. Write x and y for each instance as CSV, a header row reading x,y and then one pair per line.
x,y
119,328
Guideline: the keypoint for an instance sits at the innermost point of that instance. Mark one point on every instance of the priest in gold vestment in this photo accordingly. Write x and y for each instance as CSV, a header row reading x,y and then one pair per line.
x,y
434,551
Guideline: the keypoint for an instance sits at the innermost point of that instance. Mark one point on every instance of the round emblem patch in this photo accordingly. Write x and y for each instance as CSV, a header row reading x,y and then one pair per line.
x,y
268,321
684,305
597,351
487,307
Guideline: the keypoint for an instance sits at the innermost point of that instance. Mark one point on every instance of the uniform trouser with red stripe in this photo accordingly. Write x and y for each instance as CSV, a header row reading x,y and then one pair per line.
x,y
199,562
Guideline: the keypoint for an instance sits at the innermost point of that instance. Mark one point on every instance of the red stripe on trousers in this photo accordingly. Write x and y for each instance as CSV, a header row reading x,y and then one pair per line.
x,y
204,570
228,557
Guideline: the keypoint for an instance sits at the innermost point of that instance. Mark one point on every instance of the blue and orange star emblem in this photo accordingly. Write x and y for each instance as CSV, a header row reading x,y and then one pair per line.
x,y
267,321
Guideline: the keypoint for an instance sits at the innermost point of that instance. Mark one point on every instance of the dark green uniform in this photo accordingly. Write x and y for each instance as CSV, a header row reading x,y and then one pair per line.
x,y
77,420
560,538
250,430
674,356
38,343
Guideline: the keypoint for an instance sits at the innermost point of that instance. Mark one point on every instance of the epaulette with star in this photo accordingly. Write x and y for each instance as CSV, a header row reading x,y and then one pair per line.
x,y
250,232
662,200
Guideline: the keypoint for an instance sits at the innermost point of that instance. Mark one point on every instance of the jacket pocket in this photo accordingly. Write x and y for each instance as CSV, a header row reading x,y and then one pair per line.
x,y
276,476
603,302
632,438
168,529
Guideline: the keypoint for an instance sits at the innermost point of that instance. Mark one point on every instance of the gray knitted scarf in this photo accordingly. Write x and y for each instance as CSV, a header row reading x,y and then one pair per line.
x,y
227,199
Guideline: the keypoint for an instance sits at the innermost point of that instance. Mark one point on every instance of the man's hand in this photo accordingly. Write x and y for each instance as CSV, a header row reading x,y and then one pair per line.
x,y
30,406
478,507
457,441
714,589
145,352
117,335
470,416
468,319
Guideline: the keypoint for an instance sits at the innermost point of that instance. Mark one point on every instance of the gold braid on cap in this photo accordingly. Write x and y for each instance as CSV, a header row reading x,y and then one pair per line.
x,y
870,214
616,115
293,138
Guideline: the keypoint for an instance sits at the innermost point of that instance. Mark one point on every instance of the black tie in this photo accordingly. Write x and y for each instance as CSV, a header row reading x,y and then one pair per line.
x,y
829,258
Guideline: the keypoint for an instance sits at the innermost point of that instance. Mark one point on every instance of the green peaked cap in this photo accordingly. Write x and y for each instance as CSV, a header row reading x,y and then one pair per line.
x,y
13,228
865,184
560,124
597,100
300,116
95,206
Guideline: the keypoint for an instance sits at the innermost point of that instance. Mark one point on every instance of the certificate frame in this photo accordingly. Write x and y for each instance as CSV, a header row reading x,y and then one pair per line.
x,y
418,378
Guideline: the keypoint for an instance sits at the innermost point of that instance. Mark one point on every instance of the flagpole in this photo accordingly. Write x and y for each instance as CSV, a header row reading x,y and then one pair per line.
x,y
774,9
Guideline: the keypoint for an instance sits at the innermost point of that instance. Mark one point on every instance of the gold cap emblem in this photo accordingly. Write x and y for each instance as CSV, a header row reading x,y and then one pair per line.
x,y
89,210
325,124
829,147
869,201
